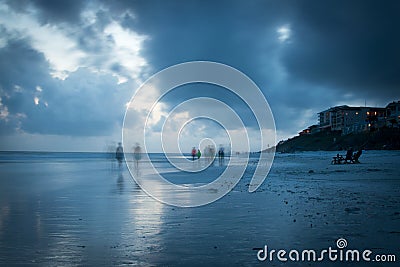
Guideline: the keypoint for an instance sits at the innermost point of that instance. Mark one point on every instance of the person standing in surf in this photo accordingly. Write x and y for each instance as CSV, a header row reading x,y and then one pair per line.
x,y
137,155
221,155
119,154
193,153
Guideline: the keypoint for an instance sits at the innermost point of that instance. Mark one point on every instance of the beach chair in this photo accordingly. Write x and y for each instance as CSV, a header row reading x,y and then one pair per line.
x,y
338,159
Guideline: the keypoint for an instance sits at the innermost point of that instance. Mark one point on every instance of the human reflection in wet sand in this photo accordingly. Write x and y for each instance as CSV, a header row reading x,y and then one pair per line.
x,y
137,156
120,183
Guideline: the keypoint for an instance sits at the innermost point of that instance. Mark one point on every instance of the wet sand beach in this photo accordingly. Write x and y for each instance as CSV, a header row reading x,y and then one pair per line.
x,y
69,209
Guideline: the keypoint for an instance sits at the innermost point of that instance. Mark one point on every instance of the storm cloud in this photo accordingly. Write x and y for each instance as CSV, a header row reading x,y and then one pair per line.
x,y
68,68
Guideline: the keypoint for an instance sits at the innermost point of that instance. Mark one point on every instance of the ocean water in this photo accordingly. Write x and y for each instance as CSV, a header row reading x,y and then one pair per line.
x,y
69,209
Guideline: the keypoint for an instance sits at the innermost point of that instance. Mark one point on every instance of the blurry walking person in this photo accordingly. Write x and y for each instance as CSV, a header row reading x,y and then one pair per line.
x,y
110,150
212,155
119,154
137,155
221,155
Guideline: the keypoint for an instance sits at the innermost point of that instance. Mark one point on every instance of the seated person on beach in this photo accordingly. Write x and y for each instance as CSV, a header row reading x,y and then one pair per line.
x,y
349,156
356,156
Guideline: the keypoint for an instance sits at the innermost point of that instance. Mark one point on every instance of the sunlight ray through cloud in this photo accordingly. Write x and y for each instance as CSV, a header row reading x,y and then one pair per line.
x,y
126,50
62,49
284,33
62,52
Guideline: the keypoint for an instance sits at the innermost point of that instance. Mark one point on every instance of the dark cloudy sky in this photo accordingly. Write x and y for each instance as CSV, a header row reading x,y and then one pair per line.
x,y
68,68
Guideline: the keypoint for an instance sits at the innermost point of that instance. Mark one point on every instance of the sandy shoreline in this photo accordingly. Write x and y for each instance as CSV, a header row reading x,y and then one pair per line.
x,y
67,212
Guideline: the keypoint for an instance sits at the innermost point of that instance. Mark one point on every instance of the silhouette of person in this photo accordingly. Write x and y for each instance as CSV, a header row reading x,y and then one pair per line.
x,y
349,155
137,155
198,154
193,153
357,155
119,154
221,155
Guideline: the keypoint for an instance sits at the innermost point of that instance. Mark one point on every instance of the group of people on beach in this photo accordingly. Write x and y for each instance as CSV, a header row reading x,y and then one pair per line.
x,y
196,153
209,154
137,154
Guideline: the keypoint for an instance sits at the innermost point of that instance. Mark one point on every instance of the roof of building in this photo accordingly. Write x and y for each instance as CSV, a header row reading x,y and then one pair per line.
x,y
345,107
394,103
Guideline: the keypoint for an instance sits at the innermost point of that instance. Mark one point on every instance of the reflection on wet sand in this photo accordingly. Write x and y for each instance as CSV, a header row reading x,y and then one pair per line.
x,y
120,182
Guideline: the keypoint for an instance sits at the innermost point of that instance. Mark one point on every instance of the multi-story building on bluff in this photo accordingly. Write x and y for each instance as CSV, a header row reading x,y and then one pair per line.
x,y
346,119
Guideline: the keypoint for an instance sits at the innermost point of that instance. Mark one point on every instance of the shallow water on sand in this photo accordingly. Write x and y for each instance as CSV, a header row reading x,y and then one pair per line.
x,y
61,209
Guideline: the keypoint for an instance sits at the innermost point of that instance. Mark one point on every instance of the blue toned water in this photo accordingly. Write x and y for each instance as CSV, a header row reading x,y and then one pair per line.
x,y
59,209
